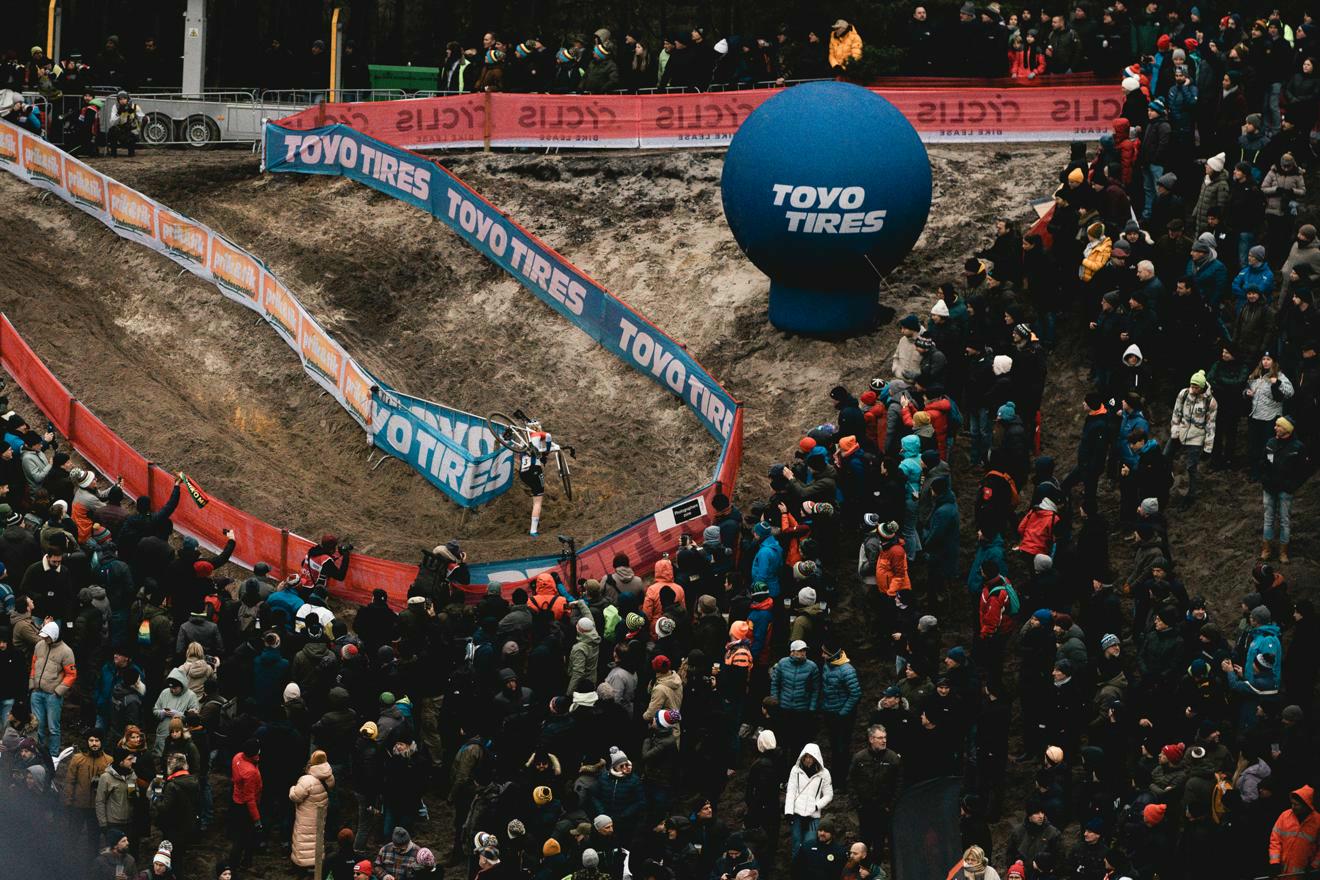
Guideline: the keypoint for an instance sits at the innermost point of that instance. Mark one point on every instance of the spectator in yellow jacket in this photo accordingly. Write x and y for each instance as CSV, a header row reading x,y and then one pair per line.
x,y
845,45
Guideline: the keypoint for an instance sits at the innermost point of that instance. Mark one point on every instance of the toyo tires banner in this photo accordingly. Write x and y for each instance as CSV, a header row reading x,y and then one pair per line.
x,y
342,151
940,114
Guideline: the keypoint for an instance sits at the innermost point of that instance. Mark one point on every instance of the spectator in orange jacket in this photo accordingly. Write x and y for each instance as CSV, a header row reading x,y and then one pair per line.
x,y
1293,840
845,45
891,570
547,598
664,577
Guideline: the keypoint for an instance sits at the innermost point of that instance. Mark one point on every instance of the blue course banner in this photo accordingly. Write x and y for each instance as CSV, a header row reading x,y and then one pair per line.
x,y
451,448
341,150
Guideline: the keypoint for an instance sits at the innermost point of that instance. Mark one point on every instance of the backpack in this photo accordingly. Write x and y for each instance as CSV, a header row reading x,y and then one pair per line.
x,y
955,417
1014,602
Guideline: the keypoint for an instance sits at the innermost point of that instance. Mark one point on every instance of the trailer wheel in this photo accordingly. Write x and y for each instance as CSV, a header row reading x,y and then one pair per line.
x,y
201,131
157,129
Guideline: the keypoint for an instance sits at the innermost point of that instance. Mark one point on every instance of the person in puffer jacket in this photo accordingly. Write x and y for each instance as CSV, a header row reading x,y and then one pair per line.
x,y
1036,529
795,683
810,789
841,691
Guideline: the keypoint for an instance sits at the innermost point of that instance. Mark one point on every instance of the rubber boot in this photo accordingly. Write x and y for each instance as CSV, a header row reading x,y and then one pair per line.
x,y
1265,550
1283,553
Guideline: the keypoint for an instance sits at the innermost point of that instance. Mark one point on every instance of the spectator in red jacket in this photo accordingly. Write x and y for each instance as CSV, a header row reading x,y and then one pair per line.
x,y
994,621
244,824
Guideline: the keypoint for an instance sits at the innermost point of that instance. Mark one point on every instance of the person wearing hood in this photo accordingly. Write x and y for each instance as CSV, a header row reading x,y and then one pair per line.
x,y
547,597
50,679
584,656
1013,443
310,796
1036,530
603,74
809,790
622,586
175,701
1263,639
1295,837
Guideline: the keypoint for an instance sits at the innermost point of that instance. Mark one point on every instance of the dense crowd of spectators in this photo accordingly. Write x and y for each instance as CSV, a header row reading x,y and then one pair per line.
x,y
708,720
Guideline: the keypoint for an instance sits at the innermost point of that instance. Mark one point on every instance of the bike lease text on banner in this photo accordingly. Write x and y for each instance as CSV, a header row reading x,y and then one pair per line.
x,y
468,477
949,114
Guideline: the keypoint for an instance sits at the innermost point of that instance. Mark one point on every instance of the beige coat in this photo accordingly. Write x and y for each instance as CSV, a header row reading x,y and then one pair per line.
x,y
310,795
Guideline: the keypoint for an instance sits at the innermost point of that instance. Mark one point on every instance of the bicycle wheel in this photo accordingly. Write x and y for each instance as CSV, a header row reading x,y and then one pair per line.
x,y
504,428
565,474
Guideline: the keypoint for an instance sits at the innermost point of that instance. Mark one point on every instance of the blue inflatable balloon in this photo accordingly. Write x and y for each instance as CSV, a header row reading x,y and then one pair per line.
x,y
826,187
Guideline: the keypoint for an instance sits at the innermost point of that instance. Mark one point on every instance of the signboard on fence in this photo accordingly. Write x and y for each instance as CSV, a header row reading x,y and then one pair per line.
x,y
941,114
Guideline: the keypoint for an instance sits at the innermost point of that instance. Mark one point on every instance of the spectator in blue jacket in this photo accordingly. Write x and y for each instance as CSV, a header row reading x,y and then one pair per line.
x,y
795,685
270,672
1256,273
841,691
769,559
1131,416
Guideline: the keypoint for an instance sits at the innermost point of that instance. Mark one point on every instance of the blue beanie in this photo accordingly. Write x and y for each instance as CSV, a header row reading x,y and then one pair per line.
x,y
957,654
1044,615
910,322
1007,411
1157,105
762,530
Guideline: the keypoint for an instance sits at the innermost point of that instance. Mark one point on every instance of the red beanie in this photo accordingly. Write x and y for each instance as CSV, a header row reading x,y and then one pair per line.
x,y
806,444
660,663
202,568
869,398
1018,869
1154,813
1174,752
1164,42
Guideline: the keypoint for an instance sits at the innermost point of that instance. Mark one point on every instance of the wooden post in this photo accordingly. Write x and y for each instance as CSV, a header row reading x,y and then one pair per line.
x,y
284,553
320,831
487,125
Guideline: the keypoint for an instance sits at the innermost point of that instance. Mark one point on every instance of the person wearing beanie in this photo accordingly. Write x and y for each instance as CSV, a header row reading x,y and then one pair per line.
x,y
84,771
584,656
1158,150
619,793
1213,197
1282,466
1035,838
1087,858
1192,427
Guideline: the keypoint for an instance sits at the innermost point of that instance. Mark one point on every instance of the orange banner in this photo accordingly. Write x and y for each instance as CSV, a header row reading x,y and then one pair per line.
x,y
41,160
131,211
234,269
183,238
87,187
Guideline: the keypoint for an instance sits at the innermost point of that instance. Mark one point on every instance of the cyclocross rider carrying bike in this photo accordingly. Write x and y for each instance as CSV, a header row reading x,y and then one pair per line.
x,y
531,469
